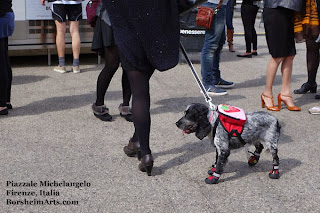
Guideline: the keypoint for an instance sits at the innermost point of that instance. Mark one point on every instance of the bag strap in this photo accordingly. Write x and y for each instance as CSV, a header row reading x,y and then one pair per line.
x,y
218,7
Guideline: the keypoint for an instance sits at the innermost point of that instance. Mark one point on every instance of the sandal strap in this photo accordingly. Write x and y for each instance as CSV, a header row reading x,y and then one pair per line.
x,y
266,96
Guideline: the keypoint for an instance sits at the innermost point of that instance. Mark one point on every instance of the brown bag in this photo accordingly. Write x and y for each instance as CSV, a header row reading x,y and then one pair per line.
x,y
205,16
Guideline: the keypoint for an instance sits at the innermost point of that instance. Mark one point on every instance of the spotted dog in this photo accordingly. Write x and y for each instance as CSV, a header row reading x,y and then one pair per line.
x,y
258,127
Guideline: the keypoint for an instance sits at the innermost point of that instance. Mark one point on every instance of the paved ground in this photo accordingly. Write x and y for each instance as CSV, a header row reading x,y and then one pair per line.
x,y
52,135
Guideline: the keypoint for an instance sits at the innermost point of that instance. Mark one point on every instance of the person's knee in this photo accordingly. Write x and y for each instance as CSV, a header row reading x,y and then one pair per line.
x,y
74,28
278,60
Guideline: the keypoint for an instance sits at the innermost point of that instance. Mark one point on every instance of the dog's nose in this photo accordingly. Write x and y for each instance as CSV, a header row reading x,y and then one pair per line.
x,y
177,123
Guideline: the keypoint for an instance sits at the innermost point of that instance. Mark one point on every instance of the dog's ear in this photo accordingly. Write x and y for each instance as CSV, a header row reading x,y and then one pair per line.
x,y
203,128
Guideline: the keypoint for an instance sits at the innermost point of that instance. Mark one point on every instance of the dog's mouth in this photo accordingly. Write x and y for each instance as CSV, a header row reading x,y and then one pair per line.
x,y
188,130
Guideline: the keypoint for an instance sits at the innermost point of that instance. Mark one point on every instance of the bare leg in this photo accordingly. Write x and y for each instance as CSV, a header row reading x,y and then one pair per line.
x,y
60,37
74,31
271,74
286,70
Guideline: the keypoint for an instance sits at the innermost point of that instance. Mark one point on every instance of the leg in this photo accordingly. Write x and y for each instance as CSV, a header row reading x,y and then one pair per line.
x,y
312,60
245,15
229,24
253,160
211,44
221,162
213,169
139,82
4,81
126,90
254,33
75,36
271,73
112,60
124,108
60,38
312,67
286,70
9,70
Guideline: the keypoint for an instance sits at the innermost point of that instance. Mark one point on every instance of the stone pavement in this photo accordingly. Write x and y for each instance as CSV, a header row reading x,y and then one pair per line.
x,y
52,135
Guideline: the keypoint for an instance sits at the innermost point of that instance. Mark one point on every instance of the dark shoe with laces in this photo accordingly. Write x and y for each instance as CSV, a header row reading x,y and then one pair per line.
x,y
132,149
101,112
125,112
224,84
305,88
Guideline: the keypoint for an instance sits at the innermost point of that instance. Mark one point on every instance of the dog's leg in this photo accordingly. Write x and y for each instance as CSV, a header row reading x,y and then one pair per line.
x,y
213,169
221,162
272,144
274,173
254,159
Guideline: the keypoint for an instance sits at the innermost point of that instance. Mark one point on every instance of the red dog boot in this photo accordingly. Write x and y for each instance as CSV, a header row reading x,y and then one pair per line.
x,y
274,173
212,170
213,179
254,159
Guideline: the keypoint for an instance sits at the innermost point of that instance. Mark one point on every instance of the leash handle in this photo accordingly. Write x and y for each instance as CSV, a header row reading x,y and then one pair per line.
x,y
195,75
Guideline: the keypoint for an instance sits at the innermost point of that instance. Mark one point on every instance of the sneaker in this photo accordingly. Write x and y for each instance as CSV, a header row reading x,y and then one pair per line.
x,y
76,69
101,112
125,112
224,84
60,69
216,91
315,110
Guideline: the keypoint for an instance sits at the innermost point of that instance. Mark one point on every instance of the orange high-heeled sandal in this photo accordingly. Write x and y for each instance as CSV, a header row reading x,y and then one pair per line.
x,y
263,104
291,108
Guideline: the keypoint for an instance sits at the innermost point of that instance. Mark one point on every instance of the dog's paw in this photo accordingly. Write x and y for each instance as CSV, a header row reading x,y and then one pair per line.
x,y
253,160
212,179
212,170
274,173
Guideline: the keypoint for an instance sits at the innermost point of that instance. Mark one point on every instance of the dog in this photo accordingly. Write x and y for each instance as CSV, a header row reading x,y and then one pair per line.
x,y
258,127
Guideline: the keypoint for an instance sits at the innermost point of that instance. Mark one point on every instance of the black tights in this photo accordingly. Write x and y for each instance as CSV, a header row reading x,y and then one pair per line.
x,y
139,82
248,15
312,60
5,73
112,61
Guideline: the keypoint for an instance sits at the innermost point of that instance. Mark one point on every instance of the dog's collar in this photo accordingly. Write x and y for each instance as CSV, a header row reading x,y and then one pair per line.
x,y
211,117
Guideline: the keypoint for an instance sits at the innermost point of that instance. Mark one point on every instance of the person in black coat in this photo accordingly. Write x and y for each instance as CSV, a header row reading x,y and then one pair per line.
x,y
147,35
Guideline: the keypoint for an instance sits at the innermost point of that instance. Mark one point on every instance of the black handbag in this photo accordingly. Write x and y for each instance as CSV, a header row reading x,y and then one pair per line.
x,y
185,6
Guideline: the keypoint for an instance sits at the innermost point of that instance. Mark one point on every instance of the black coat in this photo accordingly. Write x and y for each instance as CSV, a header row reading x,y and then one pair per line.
x,y
296,5
146,32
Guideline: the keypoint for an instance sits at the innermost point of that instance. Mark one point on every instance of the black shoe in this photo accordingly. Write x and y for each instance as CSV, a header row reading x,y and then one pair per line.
x,y
125,112
254,53
305,88
101,112
4,112
317,96
245,55
132,149
9,106
146,164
